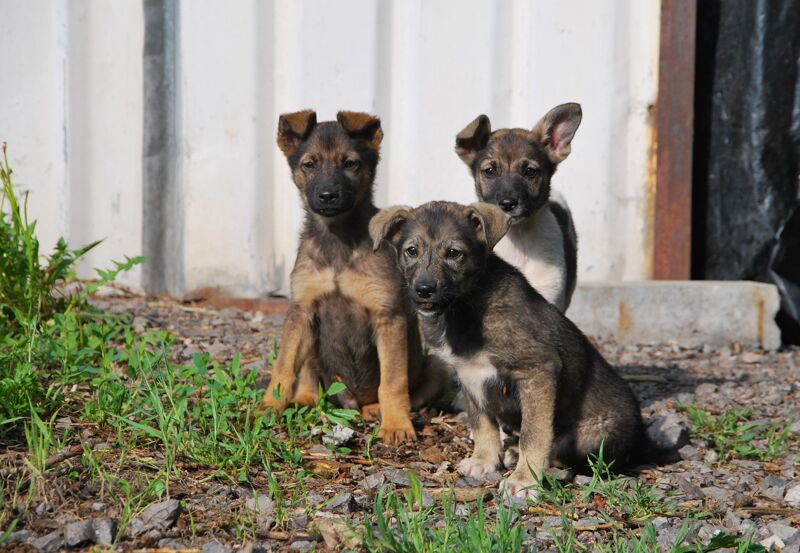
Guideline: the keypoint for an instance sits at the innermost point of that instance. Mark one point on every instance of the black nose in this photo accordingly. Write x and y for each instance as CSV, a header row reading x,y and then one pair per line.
x,y
327,196
425,291
508,205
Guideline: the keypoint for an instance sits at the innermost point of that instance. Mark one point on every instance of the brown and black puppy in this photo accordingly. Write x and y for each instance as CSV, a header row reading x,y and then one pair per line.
x,y
522,364
349,319
512,169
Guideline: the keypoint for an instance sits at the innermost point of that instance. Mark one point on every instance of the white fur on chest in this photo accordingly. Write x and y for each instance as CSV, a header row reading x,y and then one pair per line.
x,y
473,372
536,247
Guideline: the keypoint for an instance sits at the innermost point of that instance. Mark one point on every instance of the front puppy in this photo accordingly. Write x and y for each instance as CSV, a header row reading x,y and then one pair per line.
x,y
512,169
523,365
349,320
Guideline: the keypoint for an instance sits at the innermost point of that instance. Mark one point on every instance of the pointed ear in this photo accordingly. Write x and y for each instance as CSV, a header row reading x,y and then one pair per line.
x,y
386,225
293,128
473,139
362,126
489,221
555,130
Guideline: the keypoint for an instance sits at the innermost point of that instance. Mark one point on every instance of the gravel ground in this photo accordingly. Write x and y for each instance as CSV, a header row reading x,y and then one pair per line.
x,y
735,496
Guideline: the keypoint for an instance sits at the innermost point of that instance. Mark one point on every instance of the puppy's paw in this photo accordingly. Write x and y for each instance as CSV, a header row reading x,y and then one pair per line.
x,y
270,402
371,412
511,457
477,468
519,487
397,432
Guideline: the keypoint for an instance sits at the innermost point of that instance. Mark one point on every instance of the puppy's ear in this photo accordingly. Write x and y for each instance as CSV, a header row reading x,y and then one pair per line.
x,y
293,129
555,130
489,221
473,139
386,225
362,126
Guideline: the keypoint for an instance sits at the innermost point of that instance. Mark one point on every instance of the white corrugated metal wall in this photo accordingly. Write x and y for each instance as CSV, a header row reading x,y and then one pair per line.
x,y
72,111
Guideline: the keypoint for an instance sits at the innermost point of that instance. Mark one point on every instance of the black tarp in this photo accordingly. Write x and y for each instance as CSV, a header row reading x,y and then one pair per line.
x,y
747,139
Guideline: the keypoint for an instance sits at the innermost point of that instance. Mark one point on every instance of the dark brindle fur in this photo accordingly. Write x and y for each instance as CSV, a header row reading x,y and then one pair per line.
x,y
349,320
522,364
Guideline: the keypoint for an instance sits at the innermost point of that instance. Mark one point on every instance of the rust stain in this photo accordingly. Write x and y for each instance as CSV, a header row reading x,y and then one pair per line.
x,y
650,188
215,298
625,322
760,319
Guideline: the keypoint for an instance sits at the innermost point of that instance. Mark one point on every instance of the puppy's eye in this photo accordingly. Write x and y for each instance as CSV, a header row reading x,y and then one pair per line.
x,y
309,165
350,164
453,253
530,171
411,251
490,171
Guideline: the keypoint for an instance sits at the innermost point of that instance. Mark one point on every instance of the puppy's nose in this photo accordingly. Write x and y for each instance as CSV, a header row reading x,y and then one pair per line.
x,y
508,205
425,291
328,196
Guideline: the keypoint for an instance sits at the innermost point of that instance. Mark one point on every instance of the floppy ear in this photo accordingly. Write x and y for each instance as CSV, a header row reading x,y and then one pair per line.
x,y
489,221
293,128
473,139
362,126
555,130
386,225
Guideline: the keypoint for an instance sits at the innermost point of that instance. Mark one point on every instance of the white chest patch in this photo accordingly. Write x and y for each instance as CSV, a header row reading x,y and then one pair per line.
x,y
473,372
536,247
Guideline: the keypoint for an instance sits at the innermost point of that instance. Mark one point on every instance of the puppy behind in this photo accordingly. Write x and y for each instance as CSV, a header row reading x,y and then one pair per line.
x,y
348,319
512,169
522,364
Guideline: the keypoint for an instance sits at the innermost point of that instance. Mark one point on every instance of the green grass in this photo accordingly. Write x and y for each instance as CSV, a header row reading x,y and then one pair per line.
x,y
733,435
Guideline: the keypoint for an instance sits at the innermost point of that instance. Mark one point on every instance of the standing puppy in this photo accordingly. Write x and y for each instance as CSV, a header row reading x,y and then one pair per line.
x,y
512,169
522,364
349,320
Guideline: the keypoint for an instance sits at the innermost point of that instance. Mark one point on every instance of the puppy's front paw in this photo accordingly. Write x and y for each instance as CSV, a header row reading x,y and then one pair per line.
x,y
371,412
271,402
476,468
520,487
397,432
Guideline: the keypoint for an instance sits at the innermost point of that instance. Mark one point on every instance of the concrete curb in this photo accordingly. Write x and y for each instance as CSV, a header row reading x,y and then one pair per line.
x,y
689,313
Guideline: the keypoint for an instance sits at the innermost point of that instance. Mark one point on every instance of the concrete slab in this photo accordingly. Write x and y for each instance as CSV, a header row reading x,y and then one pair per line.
x,y
691,313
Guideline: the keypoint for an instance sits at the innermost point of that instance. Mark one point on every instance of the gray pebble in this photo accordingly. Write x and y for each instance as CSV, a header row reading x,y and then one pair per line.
x,y
49,543
78,533
215,547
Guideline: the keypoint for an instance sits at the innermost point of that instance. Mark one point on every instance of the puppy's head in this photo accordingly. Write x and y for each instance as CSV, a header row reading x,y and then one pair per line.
x,y
333,163
441,247
512,167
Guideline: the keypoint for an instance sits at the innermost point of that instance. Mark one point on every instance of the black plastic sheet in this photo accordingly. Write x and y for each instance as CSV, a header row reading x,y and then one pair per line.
x,y
747,144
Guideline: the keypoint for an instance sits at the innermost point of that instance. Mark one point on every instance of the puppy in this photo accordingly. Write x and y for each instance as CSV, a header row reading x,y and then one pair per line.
x,y
349,320
522,364
512,169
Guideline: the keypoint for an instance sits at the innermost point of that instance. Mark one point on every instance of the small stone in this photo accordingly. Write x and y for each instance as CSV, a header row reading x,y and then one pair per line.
x,y
78,533
158,516
340,436
583,480
711,457
171,543
792,496
690,453
299,523
749,357
20,536
43,507
668,431
301,545
773,541
99,506
337,533
660,522
49,543
427,501
261,504
397,476
689,487
719,495
775,493
215,547
705,389
372,481
104,530
342,503
732,522
788,534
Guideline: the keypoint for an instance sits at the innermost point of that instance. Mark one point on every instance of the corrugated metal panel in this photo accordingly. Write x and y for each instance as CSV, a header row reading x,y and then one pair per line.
x,y
427,68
